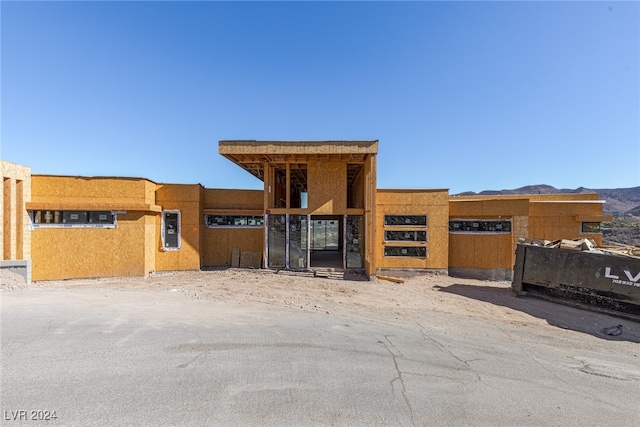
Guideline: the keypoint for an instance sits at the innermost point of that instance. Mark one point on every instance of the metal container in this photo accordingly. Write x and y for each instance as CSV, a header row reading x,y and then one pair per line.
x,y
606,282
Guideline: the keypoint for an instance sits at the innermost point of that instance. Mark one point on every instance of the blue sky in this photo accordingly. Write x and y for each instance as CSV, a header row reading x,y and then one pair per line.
x,y
461,95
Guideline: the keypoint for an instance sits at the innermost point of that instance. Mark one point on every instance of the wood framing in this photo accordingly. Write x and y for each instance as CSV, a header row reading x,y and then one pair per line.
x,y
326,209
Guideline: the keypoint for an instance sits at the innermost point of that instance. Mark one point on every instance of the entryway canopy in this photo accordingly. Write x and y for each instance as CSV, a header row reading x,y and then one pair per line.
x,y
251,155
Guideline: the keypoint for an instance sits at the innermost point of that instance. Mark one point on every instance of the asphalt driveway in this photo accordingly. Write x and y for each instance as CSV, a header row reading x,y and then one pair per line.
x,y
112,357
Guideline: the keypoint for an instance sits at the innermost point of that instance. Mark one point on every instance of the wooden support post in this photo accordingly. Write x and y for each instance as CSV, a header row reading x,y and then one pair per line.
x,y
288,184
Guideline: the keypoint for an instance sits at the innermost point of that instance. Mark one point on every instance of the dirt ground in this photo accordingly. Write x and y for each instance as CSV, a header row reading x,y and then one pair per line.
x,y
409,301
287,289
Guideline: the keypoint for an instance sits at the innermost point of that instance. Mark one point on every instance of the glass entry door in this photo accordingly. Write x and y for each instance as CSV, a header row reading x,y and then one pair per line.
x,y
298,242
276,241
354,241
326,235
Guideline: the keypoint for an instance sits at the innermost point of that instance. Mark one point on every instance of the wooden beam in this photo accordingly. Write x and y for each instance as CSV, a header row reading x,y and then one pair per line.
x,y
391,279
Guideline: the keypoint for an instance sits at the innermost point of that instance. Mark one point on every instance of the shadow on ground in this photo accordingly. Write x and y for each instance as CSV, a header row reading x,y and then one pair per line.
x,y
556,314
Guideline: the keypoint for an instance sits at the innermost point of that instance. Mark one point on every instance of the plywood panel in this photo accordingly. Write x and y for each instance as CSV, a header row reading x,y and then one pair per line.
x,y
64,253
15,238
370,215
327,187
64,189
434,204
488,208
234,199
219,243
185,198
487,251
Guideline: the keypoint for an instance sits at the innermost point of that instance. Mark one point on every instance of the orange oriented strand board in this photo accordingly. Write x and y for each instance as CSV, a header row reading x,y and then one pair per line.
x,y
250,259
63,189
414,202
185,198
234,199
65,253
327,188
218,244
15,238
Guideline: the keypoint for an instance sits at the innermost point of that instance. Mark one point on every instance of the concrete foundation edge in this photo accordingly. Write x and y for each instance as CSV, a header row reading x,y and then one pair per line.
x,y
410,272
21,267
497,274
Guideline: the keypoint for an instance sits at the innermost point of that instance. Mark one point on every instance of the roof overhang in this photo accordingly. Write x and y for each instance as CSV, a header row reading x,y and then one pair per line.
x,y
252,155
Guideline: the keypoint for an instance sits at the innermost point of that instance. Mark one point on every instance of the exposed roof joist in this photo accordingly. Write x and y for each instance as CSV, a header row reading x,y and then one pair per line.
x,y
251,155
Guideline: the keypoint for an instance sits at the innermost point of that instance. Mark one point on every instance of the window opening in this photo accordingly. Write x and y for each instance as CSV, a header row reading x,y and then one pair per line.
x,y
480,226
355,185
234,221
298,185
591,227
405,236
279,186
72,219
405,220
171,230
405,251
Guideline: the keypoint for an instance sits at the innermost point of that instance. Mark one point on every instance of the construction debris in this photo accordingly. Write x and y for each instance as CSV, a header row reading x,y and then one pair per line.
x,y
604,279
585,245
328,273
391,279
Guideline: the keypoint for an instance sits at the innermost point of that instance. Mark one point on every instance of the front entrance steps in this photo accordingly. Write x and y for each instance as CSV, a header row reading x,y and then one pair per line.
x,y
327,273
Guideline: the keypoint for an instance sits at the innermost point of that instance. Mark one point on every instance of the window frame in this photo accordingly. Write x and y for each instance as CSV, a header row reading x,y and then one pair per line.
x,y
259,218
405,224
163,230
598,231
413,232
406,248
484,220
62,214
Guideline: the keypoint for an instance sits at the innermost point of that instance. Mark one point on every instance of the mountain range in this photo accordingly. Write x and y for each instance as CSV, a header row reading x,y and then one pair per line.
x,y
619,201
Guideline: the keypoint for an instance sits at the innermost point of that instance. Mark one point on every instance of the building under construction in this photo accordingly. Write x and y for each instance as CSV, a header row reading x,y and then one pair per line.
x,y
319,208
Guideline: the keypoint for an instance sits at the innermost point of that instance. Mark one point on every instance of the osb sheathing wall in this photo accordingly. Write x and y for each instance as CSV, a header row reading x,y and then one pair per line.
x,y
233,200
558,220
434,204
65,253
15,239
218,243
370,203
481,251
327,187
100,193
487,251
187,199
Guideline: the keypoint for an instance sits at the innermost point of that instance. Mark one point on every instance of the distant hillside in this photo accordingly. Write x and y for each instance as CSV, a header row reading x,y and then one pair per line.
x,y
619,201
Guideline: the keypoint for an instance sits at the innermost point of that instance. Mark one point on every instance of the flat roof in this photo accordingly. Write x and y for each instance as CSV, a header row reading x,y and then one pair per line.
x,y
251,155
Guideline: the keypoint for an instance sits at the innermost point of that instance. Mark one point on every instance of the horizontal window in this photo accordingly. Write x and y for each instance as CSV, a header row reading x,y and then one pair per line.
x,y
479,226
591,227
405,236
70,219
213,221
411,220
406,251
